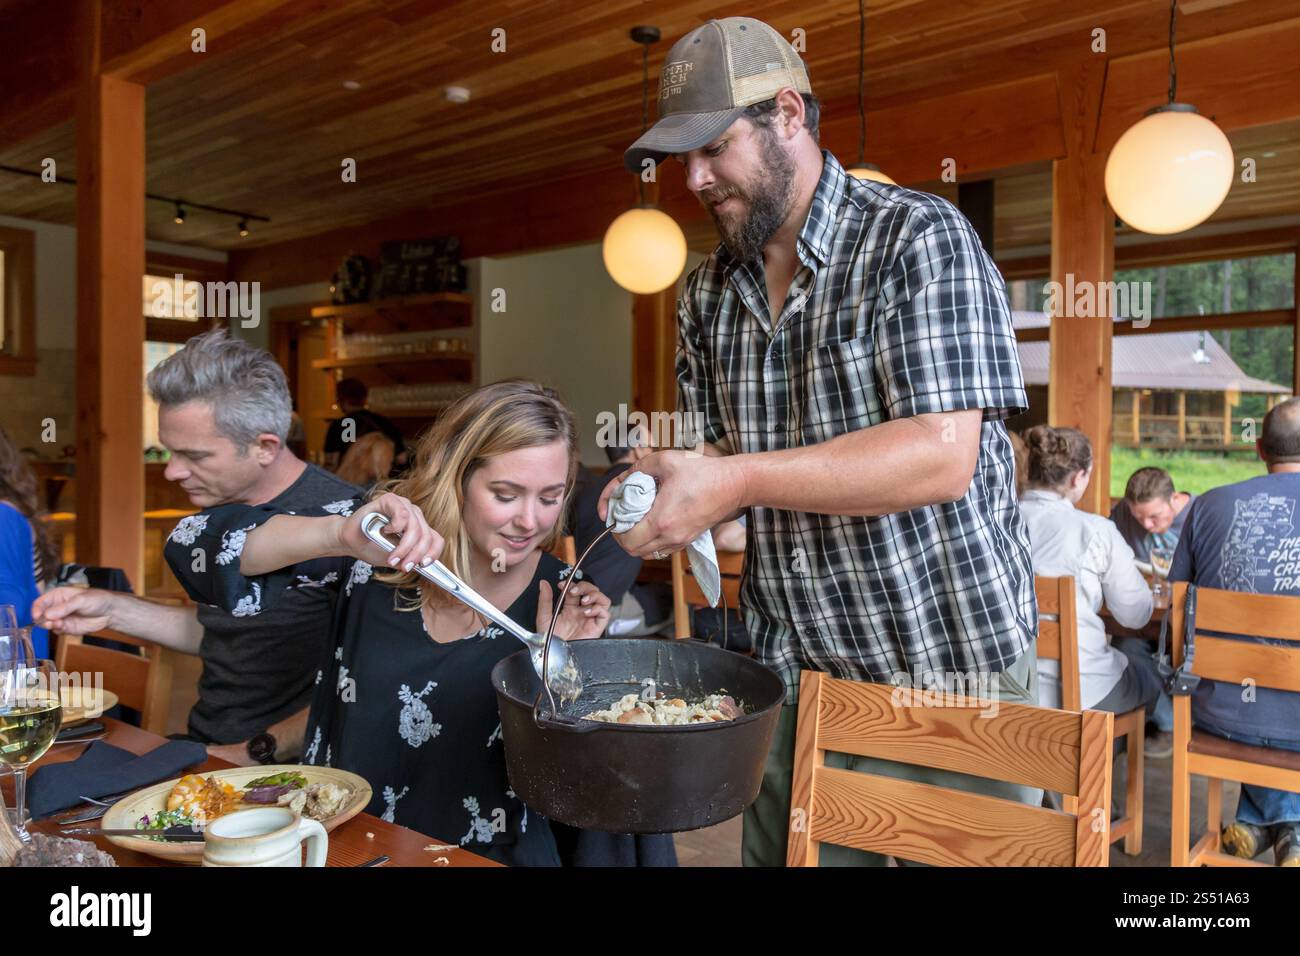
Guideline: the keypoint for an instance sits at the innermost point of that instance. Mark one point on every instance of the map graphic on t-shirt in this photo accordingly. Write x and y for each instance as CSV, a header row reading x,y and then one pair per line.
x,y
1261,552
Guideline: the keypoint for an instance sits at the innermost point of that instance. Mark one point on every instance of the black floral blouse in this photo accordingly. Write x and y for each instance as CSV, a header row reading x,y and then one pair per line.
x,y
416,718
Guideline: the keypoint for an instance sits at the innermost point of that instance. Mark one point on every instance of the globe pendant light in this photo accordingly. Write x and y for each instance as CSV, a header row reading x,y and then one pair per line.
x,y
644,249
1172,169
863,169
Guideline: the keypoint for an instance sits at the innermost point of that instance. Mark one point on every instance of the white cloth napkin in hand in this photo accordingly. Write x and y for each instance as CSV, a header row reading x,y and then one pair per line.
x,y
631,502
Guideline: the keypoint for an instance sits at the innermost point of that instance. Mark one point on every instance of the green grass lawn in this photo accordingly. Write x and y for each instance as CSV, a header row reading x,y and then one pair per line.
x,y
1195,472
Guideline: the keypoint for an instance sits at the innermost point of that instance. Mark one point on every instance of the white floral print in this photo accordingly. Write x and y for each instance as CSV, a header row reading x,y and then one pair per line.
x,y
565,571
305,582
390,803
310,755
232,544
415,723
343,507
189,529
480,828
360,575
250,604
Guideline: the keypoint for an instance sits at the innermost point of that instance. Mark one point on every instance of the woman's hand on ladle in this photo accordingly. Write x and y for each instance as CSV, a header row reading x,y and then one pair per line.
x,y
417,543
585,614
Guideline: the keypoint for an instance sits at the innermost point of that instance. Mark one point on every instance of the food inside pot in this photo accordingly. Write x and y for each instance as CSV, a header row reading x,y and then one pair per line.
x,y
662,710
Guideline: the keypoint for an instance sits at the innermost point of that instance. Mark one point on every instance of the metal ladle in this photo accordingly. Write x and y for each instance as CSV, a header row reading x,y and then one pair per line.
x,y
563,680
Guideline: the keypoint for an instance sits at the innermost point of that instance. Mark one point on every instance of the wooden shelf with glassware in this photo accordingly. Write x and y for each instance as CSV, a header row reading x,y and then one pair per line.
x,y
414,353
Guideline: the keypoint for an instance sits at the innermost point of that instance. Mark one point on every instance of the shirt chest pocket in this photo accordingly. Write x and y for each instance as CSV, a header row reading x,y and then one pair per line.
x,y
838,390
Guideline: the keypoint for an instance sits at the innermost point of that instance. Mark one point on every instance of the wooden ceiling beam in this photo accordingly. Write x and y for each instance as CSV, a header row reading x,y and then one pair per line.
x,y
1241,79
911,143
139,43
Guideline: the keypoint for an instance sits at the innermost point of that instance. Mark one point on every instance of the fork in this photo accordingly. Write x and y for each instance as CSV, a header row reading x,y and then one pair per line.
x,y
102,802
86,817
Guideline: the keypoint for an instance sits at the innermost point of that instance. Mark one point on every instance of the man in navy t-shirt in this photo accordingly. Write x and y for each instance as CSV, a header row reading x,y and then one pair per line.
x,y
1246,537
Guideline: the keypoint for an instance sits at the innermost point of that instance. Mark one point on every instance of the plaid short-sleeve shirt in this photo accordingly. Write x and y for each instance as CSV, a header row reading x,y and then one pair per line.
x,y
895,311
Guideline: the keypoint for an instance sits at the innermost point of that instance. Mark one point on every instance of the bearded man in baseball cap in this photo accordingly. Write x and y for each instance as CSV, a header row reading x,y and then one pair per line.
x,y
848,348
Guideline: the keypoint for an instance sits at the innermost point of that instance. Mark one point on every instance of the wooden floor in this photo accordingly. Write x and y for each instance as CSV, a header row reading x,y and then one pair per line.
x,y
720,845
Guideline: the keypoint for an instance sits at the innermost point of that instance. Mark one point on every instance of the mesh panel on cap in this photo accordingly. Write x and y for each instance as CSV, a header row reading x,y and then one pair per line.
x,y
760,61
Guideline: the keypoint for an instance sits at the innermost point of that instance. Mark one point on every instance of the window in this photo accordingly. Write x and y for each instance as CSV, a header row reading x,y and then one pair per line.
x,y
154,352
1190,395
171,297
17,302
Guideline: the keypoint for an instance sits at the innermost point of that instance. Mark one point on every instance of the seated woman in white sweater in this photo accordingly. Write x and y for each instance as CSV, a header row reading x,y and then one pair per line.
x,y
1067,541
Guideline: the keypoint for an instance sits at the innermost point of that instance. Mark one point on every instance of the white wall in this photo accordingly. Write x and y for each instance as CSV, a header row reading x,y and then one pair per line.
x,y
566,324
26,401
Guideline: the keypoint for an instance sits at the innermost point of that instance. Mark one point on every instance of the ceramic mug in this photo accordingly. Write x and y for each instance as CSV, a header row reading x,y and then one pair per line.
x,y
263,836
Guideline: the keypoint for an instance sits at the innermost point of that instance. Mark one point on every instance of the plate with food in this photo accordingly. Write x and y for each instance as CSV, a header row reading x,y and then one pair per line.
x,y
323,793
84,703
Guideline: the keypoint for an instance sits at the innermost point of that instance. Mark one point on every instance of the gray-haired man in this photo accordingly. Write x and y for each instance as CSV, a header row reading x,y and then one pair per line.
x,y
224,412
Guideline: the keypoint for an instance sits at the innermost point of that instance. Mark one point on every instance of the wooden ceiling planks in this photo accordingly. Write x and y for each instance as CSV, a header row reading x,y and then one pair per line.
x,y
265,126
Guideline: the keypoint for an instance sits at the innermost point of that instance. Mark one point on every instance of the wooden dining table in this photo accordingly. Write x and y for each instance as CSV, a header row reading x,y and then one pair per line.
x,y
1150,631
357,841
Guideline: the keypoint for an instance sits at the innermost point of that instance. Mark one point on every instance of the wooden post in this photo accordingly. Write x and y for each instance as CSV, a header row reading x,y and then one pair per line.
x,y
1227,418
110,316
1295,285
1083,250
654,356
1182,418
1137,417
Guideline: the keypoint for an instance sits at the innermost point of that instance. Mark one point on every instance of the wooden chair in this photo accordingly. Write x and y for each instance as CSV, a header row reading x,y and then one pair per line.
x,y
1234,662
1058,640
1033,746
687,593
143,683
566,550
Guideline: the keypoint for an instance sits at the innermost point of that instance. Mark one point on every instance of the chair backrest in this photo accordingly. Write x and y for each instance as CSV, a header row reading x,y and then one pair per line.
x,y
687,592
1241,613
566,550
1058,633
1058,750
142,683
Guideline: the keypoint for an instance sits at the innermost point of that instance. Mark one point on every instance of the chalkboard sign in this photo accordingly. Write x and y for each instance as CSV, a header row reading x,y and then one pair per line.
x,y
416,266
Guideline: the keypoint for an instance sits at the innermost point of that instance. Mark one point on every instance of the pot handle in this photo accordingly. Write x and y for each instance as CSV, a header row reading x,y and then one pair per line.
x,y
548,722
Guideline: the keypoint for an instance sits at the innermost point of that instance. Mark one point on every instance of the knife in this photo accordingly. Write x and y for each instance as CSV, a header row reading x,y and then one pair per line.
x,y
180,834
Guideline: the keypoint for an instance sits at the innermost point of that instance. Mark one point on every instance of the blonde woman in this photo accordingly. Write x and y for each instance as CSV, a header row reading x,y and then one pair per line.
x,y
405,698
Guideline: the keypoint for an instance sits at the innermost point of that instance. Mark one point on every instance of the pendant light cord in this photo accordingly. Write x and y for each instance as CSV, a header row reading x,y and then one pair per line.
x,y
645,113
862,109
1173,69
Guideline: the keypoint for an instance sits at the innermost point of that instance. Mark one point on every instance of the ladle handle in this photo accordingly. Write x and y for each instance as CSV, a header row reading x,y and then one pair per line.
x,y
372,527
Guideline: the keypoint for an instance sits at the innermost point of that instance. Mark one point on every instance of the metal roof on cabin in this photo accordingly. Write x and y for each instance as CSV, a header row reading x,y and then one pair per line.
x,y
1161,361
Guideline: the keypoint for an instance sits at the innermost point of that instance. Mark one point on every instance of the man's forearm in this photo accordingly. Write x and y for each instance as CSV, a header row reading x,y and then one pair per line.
x,y
289,734
895,466
173,626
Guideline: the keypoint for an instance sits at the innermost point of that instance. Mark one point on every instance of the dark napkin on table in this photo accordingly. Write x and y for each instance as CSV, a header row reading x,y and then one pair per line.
x,y
104,769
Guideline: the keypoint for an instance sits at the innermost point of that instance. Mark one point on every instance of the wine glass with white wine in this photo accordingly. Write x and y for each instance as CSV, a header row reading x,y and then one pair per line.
x,y
30,714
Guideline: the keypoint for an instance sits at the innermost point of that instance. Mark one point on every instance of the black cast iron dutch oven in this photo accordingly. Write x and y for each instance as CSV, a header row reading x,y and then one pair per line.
x,y
638,778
